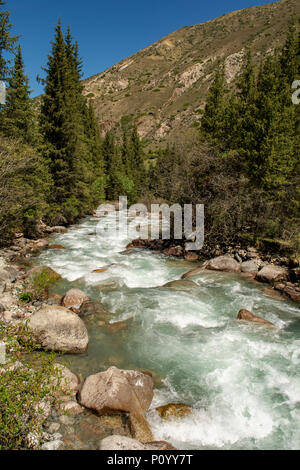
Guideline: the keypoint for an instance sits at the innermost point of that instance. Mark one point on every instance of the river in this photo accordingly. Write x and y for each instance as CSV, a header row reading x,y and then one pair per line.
x,y
242,380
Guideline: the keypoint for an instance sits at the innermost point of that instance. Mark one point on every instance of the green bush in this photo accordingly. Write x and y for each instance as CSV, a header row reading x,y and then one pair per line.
x,y
26,297
25,387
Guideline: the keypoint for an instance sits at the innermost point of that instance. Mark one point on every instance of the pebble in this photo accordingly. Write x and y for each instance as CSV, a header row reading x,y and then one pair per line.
x,y
52,445
53,427
66,420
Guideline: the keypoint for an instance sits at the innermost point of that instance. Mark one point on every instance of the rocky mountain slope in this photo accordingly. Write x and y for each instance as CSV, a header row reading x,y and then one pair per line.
x,y
163,87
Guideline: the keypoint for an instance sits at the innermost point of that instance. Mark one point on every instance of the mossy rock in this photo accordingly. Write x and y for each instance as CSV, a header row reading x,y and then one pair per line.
x,y
39,279
174,410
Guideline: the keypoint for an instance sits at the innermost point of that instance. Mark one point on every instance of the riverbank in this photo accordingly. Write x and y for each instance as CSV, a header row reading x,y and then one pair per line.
x,y
279,272
58,324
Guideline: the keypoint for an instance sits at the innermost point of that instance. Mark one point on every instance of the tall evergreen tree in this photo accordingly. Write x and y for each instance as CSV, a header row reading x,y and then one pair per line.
x,y
18,118
7,41
290,57
95,147
67,129
137,162
213,118
113,166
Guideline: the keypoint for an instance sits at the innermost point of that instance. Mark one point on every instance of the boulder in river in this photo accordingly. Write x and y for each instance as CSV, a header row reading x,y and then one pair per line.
x,y
246,315
272,273
181,284
74,298
194,271
56,247
223,263
292,294
58,329
173,410
94,309
116,326
117,390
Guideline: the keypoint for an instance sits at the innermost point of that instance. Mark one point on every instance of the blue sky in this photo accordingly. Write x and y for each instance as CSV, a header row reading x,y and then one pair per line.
x,y
107,31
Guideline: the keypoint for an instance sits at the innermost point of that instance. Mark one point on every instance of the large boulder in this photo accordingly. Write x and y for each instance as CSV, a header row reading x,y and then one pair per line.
x,y
117,390
292,293
249,267
59,329
74,298
39,279
250,317
41,270
271,273
223,263
127,443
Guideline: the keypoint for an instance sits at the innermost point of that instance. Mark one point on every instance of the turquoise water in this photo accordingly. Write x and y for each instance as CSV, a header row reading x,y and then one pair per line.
x,y
242,381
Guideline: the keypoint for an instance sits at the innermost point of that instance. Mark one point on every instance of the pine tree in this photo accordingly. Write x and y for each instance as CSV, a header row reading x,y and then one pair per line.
x,y
212,123
290,55
126,152
113,166
137,162
18,118
67,129
246,138
95,147
7,41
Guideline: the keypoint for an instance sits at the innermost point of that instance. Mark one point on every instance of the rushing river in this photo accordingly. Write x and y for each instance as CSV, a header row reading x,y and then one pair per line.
x,y
242,380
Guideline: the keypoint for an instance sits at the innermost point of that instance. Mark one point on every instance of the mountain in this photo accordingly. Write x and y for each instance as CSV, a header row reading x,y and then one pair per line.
x,y
162,88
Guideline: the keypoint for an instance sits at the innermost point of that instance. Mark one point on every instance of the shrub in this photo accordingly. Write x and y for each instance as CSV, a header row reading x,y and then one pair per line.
x,y
26,297
26,387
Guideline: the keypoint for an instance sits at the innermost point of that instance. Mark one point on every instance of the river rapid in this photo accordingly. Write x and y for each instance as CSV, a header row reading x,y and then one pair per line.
x,y
241,380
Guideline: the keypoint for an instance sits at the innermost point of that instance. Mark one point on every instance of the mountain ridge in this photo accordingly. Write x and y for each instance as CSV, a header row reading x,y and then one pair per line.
x,y
162,88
